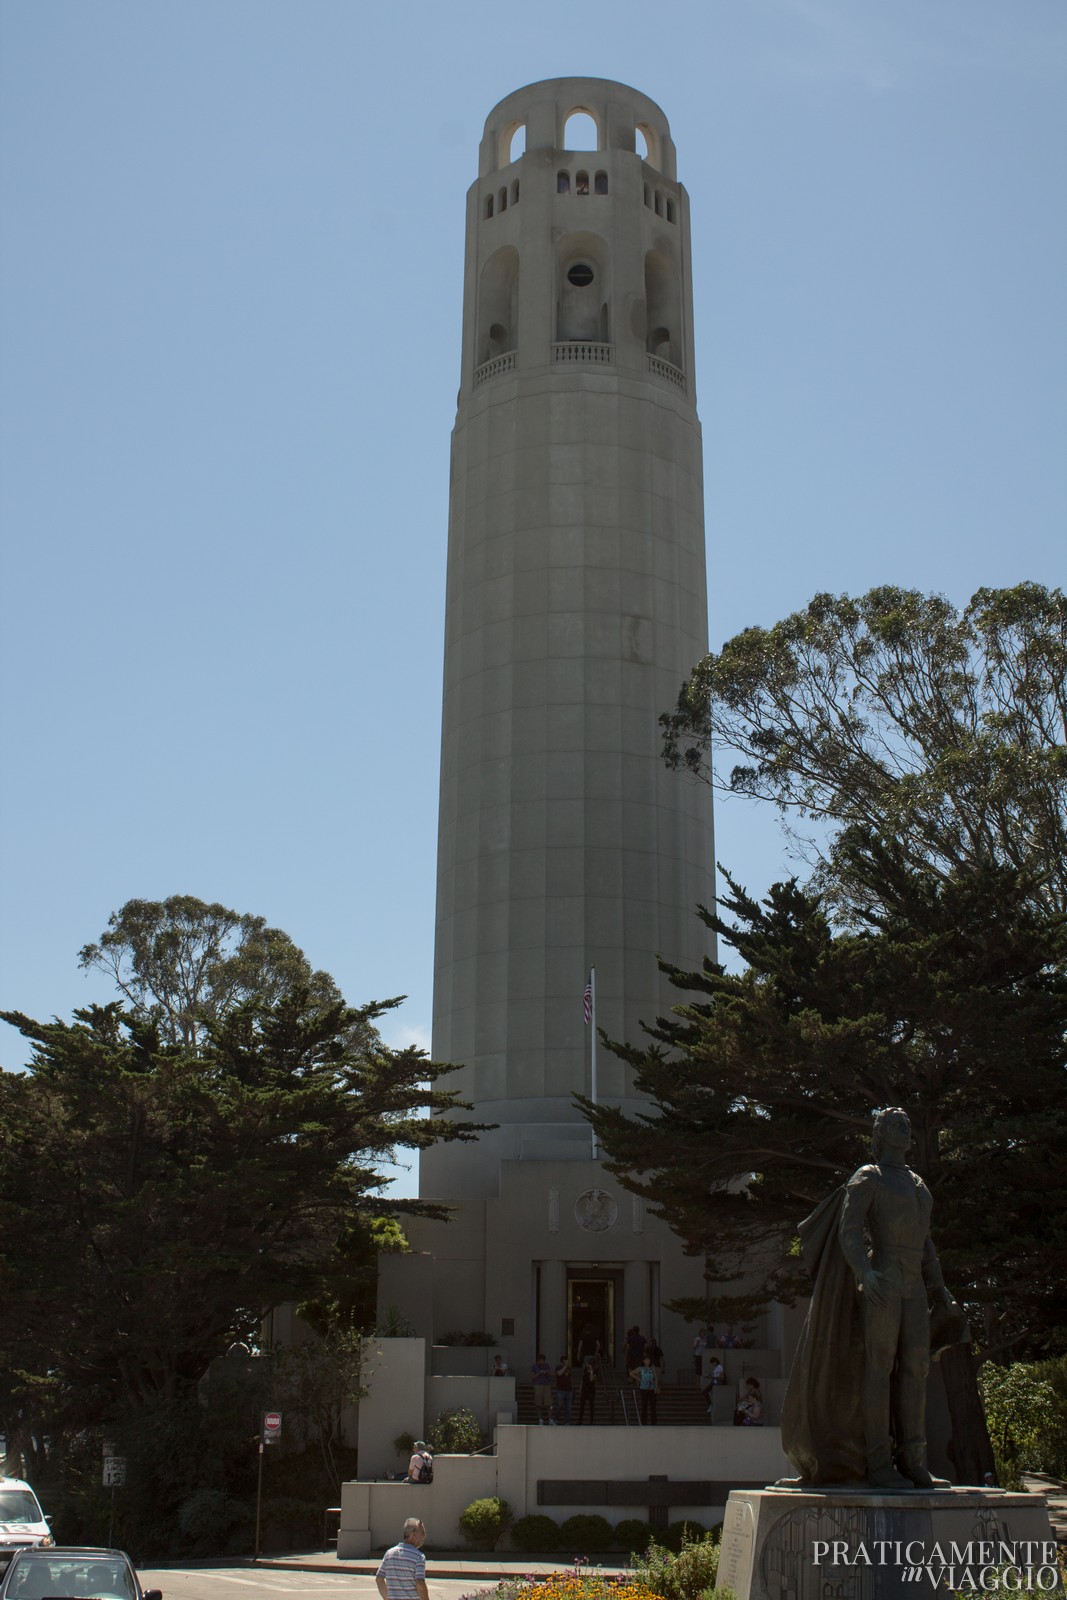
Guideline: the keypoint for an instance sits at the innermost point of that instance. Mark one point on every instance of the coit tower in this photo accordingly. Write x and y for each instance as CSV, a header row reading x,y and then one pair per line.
x,y
576,606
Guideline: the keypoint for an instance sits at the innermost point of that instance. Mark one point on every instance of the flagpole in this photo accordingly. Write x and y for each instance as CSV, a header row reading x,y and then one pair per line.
x,y
592,1053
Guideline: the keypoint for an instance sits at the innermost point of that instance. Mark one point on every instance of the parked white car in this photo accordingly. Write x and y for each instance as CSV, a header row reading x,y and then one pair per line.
x,y
22,1522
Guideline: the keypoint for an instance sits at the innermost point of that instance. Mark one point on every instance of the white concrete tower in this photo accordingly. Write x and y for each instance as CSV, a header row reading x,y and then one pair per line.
x,y
576,606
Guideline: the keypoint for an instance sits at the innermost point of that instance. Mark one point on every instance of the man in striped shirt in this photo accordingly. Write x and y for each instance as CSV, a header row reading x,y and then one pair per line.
x,y
402,1573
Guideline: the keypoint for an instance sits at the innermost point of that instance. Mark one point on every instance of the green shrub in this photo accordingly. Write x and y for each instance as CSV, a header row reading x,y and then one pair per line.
x,y
677,1534
484,1521
684,1575
632,1535
393,1324
585,1534
209,1516
535,1533
288,1521
454,1433
404,1444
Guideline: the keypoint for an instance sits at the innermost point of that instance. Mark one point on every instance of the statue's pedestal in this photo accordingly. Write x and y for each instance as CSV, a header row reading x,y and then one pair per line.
x,y
809,1544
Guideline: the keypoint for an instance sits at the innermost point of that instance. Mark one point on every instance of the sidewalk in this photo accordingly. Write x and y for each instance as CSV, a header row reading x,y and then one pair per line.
x,y
481,1568
1037,1483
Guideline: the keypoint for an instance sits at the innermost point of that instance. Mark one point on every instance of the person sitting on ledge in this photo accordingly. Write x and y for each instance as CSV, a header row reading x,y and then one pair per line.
x,y
749,1413
420,1467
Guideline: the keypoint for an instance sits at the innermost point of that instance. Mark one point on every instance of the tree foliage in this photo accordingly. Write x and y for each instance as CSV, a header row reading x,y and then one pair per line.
x,y
1027,1416
156,1202
952,1003
898,715
183,964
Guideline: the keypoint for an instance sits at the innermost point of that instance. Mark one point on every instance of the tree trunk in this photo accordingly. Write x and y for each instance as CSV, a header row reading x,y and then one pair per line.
x,y
969,1448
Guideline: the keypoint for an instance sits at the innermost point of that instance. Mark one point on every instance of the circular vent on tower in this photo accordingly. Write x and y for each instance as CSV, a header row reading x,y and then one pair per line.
x,y
581,274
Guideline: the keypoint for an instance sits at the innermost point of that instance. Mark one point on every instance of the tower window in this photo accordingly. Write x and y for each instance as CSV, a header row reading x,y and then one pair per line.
x,y
581,274
581,183
515,192
504,198
489,206
580,132
659,204
670,210
648,197
563,183
600,183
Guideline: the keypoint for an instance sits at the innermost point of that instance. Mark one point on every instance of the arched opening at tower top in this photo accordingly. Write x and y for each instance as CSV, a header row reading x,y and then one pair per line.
x,y
498,297
516,145
580,132
663,308
647,144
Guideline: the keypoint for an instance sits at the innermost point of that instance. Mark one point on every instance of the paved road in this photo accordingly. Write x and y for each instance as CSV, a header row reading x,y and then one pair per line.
x,y
247,1583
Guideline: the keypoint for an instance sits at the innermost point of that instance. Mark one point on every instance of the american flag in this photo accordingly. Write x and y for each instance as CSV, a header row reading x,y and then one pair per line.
x,y
587,1001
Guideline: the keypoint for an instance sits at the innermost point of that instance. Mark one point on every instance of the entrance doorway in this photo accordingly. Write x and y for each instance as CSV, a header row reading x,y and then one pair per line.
x,y
594,1303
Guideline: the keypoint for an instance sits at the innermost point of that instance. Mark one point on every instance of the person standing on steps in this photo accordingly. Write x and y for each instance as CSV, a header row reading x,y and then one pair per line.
x,y
587,1392
541,1377
648,1388
564,1392
716,1377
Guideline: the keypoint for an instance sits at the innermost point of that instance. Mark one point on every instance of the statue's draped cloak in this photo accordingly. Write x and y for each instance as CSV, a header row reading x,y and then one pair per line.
x,y
822,1422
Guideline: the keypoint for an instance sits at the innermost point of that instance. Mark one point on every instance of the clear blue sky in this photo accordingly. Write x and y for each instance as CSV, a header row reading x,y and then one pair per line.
x,y
231,293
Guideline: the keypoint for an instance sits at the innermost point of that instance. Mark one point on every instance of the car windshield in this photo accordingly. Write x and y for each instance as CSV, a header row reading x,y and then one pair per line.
x,y
39,1577
19,1505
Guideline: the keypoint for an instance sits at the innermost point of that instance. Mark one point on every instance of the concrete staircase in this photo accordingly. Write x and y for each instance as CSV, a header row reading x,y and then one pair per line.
x,y
617,1404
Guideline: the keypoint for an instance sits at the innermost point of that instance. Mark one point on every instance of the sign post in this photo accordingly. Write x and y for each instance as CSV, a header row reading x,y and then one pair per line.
x,y
114,1478
270,1432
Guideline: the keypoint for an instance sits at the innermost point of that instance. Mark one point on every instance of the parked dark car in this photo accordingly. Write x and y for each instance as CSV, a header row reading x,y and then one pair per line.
x,y
73,1572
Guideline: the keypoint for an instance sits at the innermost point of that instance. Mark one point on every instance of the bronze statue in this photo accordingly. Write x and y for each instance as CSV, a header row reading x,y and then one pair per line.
x,y
856,1397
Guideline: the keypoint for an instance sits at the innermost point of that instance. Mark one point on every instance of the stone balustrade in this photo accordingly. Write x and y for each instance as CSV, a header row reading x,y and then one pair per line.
x,y
664,369
584,350
494,367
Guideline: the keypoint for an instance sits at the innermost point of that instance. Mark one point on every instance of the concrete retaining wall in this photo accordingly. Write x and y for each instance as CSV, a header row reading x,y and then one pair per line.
x,y
372,1514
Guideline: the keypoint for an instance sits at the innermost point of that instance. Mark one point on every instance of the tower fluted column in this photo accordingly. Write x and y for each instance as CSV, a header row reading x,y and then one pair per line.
x,y
576,606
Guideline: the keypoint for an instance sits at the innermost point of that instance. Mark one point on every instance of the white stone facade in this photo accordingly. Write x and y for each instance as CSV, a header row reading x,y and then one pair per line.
x,y
576,607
